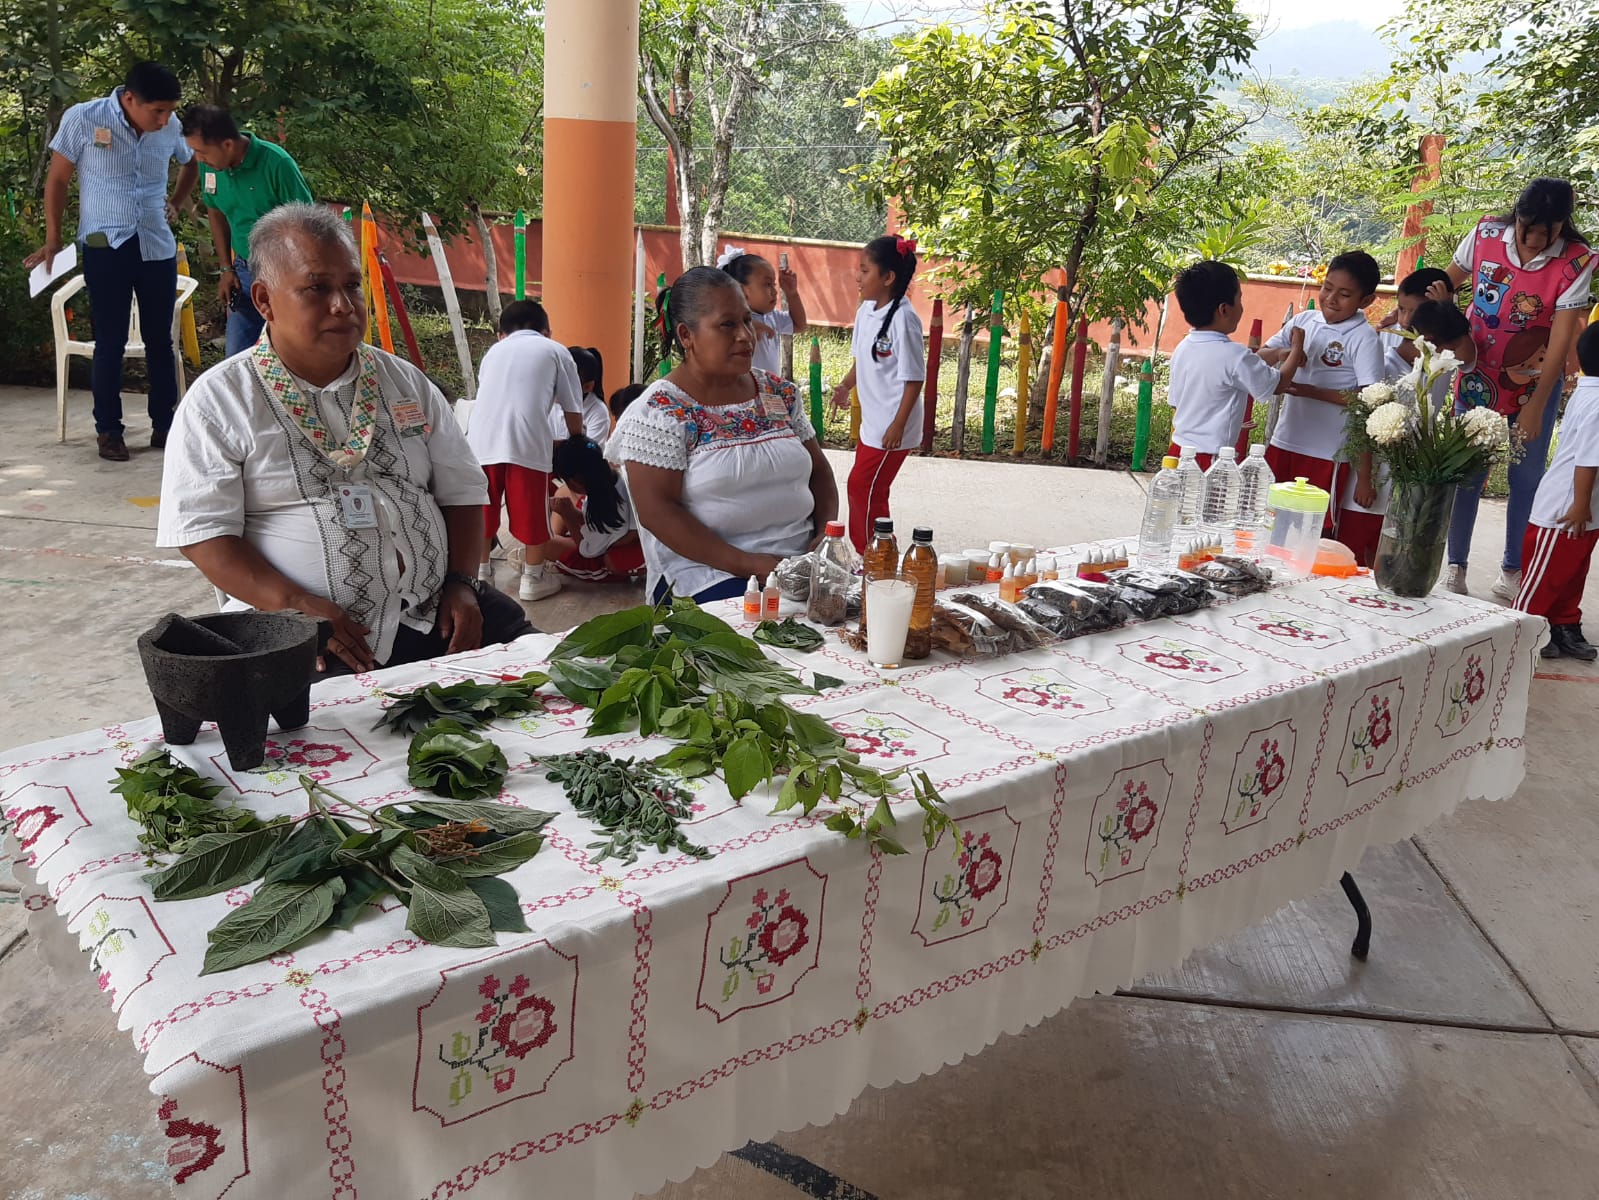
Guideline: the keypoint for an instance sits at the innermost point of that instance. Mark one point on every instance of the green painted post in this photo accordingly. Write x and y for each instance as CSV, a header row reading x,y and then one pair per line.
x,y
996,331
1146,397
816,386
521,254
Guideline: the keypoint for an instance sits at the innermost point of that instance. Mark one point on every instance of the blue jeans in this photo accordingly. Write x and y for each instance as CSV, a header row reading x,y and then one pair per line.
x,y
244,322
1524,479
114,278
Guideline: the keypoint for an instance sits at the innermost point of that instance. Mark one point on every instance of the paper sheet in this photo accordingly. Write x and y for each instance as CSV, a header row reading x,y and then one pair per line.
x,y
40,278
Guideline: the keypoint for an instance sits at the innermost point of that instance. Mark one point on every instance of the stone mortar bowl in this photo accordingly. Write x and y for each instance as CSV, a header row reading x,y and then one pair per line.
x,y
235,668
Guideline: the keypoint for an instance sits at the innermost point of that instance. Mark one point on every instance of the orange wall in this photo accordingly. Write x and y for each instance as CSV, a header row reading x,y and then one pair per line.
x,y
826,273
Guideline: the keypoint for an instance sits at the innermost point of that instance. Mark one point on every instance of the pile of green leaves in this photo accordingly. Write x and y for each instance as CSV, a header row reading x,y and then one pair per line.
x,y
680,672
440,858
637,803
174,805
471,703
788,633
448,758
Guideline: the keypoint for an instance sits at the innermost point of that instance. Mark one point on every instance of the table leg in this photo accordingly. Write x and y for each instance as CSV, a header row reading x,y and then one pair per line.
x,y
1362,916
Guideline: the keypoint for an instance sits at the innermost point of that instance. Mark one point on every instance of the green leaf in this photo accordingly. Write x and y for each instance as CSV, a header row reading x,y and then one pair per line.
x,y
824,683
278,916
216,862
498,857
605,635
454,916
505,907
502,818
812,732
789,632
312,865
448,759
361,887
743,766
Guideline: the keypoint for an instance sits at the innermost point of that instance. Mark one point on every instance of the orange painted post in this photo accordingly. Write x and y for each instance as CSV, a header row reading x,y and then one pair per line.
x,y
374,279
935,351
590,103
1079,365
1413,239
1057,367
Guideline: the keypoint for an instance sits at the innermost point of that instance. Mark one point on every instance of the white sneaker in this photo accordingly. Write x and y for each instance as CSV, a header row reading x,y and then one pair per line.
x,y
1507,586
485,572
538,582
1455,579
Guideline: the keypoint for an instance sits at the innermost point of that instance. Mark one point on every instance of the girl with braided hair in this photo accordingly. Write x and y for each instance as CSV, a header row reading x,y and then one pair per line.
x,y
890,368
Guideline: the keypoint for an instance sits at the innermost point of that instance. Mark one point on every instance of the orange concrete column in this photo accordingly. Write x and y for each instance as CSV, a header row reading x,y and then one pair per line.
x,y
590,102
1413,239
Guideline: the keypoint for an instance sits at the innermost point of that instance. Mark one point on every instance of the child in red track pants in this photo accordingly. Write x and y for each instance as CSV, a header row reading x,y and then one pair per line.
x,y
889,371
1558,546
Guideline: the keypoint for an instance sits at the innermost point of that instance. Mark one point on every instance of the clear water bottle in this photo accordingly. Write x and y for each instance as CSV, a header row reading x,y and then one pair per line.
x,y
1161,510
1220,509
832,571
1254,483
1193,493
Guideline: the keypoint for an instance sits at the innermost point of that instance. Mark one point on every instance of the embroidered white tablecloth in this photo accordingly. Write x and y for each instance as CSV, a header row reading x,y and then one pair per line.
x,y
1122,800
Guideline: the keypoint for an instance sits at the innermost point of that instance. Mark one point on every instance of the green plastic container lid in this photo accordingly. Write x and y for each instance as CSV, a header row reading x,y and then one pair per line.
x,y
1298,496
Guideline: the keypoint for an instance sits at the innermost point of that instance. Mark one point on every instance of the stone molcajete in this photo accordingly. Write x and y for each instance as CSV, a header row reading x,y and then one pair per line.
x,y
236,669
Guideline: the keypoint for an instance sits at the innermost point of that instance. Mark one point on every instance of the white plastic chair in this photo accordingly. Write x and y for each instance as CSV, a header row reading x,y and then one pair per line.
x,y
67,346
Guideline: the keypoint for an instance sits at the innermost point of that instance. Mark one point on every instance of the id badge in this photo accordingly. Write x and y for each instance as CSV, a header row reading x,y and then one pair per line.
x,y
210,183
102,137
410,418
356,510
772,405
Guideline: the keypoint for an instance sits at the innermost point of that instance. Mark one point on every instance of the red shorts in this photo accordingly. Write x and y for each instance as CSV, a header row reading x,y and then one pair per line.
x,y
526,496
1204,460
1360,531
619,564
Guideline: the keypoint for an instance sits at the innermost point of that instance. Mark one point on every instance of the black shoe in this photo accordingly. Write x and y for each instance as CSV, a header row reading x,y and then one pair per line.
x,y
1566,641
112,447
158,439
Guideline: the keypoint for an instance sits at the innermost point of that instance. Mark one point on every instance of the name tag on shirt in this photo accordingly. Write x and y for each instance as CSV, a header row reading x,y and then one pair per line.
x,y
356,510
410,418
772,405
210,184
102,137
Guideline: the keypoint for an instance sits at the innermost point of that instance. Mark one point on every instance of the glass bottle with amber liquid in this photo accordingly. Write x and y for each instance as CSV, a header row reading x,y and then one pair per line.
x,y
881,560
921,567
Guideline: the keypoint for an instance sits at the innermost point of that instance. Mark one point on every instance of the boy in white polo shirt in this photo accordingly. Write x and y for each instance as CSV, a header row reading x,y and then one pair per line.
x,y
1342,355
1558,546
522,378
1213,377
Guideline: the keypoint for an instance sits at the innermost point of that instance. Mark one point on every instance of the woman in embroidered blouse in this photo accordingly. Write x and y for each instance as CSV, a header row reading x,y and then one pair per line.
x,y
722,465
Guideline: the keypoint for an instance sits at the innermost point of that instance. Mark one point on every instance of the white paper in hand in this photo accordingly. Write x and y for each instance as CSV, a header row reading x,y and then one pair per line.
x,y
40,278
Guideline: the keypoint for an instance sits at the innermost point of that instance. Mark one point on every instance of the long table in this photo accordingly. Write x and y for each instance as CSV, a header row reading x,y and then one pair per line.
x,y
1121,801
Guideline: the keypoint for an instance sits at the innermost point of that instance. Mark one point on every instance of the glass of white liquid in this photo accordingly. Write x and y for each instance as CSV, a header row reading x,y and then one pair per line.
x,y
888,610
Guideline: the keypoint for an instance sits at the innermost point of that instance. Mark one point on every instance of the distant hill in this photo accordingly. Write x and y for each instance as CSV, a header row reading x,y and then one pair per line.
x,y
1331,50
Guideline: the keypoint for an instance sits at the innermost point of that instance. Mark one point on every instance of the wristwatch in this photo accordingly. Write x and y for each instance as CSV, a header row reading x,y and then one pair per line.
x,y
457,577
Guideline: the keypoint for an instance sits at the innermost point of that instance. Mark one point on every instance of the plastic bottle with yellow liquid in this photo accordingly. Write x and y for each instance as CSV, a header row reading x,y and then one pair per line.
x,y
881,560
921,566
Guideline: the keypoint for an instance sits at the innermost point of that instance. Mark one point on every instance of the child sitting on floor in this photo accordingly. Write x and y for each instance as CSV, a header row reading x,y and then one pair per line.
x,y
596,416
1558,545
594,527
1213,377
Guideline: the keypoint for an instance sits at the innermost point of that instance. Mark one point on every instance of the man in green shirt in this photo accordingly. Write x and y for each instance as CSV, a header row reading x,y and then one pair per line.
x,y
242,178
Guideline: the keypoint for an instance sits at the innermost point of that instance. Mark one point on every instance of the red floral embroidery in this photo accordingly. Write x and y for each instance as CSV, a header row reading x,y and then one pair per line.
x,y
309,758
1042,696
195,1147
983,875
1140,819
30,824
1379,724
1476,684
785,937
526,1027
489,988
978,871
1133,821
1168,662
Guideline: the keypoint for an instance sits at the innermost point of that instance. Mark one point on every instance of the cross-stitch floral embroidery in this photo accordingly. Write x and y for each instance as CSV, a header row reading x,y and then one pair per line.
x,y
1131,823
978,871
513,1021
777,932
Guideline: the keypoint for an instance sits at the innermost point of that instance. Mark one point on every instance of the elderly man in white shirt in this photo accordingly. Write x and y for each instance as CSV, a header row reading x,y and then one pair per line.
x,y
320,474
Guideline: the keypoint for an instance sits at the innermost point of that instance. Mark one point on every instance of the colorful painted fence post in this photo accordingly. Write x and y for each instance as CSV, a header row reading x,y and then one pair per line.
x,y
372,277
1024,364
190,335
816,386
639,306
1107,393
1146,398
521,254
1057,368
935,351
996,335
1074,419
404,318
452,305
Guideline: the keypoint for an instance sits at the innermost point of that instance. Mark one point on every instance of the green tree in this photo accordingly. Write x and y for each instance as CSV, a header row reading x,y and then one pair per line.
x,y
1055,137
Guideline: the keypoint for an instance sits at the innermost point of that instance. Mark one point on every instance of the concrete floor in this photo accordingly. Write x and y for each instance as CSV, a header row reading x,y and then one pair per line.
x,y
1461,1061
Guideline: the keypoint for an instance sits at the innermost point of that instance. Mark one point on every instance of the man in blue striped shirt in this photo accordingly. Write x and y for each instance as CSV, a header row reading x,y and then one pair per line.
x,y
120,146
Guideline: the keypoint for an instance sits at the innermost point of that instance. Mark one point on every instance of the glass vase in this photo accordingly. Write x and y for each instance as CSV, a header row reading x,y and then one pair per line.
x,y
1415,535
